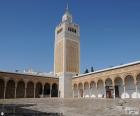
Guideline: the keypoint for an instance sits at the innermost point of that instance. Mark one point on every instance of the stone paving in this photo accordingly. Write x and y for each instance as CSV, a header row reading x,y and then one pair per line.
x,y
76,107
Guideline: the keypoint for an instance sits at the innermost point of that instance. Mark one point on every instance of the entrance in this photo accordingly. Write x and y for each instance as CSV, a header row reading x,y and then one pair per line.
x,y
117,91
109,92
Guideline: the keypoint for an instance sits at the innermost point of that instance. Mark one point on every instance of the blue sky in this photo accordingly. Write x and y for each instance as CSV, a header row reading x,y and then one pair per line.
x,y
109,32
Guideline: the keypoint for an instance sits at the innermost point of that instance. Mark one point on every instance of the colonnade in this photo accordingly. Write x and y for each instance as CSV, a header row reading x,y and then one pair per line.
x,y
127,86
27,89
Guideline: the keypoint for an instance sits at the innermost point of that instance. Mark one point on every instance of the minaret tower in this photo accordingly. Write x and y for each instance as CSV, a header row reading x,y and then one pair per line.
x,y
66,53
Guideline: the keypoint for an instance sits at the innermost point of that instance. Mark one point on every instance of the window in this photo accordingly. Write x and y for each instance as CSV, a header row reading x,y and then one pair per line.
x,y
71,29
60,30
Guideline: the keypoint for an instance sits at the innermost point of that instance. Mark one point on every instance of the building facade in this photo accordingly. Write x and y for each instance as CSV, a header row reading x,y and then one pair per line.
x,y
20,85
117,82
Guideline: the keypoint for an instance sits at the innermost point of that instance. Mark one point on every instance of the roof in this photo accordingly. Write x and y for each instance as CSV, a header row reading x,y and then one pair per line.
x,y
108,69
30,74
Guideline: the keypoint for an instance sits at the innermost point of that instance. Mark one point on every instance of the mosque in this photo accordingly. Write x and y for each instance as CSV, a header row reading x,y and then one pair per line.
x,y
121,81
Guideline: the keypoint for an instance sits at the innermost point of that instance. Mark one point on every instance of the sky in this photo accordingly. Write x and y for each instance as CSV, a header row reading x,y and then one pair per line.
x,y
109,32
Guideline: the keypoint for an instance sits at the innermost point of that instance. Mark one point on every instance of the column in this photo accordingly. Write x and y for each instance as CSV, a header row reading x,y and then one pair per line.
x,y
73,92
83,91
104,90
124,91
42,91
114,91
5,85
50,90
15,88
25,90
78,92
58,90
136,91
96,90
34,89
89,91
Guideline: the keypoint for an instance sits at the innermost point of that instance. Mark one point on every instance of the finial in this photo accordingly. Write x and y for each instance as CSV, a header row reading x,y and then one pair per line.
x,y
67,8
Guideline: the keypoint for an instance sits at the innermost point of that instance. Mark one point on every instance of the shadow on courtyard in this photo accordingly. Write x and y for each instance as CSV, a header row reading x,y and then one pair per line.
x,y
19,110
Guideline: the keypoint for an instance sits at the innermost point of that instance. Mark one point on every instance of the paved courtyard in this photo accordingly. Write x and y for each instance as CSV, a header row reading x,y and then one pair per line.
x,y
67,107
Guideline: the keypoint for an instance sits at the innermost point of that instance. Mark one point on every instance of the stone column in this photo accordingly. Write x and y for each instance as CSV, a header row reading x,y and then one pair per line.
x,y
124,91
114,92
5,85
42,91
25,90
15,89
83,91
113,84
34,89
96,89
50,90
136,91
104,90
58,92
89,91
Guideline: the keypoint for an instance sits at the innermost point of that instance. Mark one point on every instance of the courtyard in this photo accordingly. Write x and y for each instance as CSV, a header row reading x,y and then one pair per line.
x,y
67,107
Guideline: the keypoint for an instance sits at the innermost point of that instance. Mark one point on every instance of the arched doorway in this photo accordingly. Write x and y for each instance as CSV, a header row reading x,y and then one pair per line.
x,y
1,88
109,88
75,89
38,90
138,85
119,91
47,90
54,92
20,89
130,90
100,88
86,89
30,90
10,89
93,90
80,89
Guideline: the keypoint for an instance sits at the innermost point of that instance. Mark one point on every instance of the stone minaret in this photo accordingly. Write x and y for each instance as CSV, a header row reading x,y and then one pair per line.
x,y
66,53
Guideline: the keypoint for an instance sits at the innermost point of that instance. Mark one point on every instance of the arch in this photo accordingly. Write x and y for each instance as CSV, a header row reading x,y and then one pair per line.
x,y
130,91
86,89
38,90
100,89
47,90
20,89
54,92
75,86
30,89
119,91
108,82
1,88
138,85
93,90
80,89
10,89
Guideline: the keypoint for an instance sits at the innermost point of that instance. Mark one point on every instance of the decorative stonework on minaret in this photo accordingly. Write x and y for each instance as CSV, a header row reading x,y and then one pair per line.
x,y
67,50
67,46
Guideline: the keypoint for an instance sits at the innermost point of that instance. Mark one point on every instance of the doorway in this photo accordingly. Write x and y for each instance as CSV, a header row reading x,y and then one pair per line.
x,y
109,92
117,91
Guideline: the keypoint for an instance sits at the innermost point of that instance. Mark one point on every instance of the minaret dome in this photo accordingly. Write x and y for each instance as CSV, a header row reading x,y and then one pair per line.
x,y
67,17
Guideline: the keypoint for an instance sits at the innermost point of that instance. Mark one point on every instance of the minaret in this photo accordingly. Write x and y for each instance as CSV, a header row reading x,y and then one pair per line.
x,y
67,53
